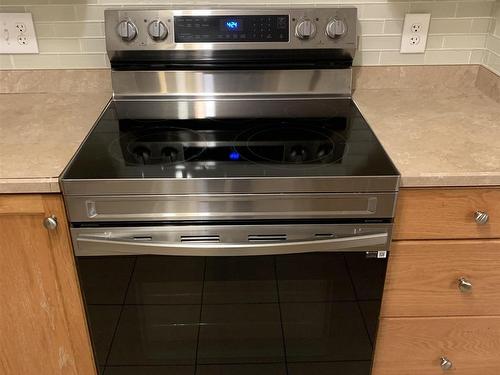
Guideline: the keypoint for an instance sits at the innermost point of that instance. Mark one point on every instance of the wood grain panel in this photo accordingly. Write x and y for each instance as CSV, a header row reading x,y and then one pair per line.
x,y
422,278
42,324
21,204
413,346
446,214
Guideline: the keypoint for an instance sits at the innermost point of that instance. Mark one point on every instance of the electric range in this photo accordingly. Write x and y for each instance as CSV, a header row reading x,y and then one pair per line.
x,y
231,210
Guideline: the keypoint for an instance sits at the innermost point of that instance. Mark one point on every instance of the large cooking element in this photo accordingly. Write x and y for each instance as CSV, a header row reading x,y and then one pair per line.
x,y
231,211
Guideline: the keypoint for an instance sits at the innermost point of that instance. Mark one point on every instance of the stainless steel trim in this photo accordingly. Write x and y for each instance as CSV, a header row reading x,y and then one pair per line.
x,y
268,106
232,240
94,246
337,184
229,207
227,83
143,42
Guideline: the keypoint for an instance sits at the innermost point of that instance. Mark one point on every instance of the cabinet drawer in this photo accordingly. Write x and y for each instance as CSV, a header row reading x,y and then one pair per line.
x,y
413,346
423,278
446,214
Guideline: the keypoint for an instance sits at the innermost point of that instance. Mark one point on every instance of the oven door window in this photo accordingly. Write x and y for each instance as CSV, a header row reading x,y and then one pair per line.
x,y
296,314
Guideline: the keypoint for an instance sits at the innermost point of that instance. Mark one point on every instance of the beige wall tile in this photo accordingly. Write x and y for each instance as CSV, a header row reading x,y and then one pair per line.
x,y
474,9
435,41
366,58
52,13
379,43
465,41
396,58
58,45
393,27
6,62
450,26
447,57
71,32
436,8
493,44
384,11
93,45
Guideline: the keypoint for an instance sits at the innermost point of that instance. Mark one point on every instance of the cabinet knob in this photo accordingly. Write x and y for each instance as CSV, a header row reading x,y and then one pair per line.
x,y
446,364
481,217
464,285
50,222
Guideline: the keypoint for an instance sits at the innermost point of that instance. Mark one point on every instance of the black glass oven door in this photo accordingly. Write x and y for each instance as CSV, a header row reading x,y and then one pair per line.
x,y
297,314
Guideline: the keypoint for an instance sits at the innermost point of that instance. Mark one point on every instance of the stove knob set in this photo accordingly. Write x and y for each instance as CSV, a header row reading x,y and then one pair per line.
x,y
336,28
305,29
127,30
157,30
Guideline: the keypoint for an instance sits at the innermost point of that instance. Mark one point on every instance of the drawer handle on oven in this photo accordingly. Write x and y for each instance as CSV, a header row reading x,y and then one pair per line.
x,y
96,245
464,285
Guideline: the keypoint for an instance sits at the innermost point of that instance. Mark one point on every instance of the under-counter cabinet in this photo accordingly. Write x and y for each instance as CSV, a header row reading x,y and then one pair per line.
x,y
42,321
441,308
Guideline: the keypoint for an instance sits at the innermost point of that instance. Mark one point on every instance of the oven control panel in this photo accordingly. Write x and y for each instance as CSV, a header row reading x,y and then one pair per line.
x,y
221,29
228,29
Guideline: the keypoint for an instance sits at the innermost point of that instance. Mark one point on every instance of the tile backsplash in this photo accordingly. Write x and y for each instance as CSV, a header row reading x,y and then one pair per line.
x,y
492,52
71,32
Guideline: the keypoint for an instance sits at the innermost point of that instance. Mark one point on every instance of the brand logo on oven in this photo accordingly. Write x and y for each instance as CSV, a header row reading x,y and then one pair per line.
x,y
376,254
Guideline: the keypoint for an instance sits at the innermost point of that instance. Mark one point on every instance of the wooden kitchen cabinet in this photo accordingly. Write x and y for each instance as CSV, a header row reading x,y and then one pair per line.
x,y
446,214
42,319
425,315
443,278
414,346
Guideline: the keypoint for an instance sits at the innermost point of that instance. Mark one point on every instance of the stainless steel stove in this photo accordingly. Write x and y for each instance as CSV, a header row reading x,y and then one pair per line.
x,y
231,211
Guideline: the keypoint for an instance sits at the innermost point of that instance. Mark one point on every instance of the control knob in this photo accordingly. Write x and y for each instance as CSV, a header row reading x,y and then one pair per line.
x,y
157,30
336,28
127,30
305,29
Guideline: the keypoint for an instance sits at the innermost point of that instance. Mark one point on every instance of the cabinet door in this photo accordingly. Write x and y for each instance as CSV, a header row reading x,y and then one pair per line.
x,y
415,346
42,320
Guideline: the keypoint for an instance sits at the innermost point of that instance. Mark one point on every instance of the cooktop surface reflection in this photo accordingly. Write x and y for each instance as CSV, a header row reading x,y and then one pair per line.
x,y
337,145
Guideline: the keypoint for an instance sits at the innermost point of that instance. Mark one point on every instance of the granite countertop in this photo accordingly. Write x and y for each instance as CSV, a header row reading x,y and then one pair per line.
x,y
44,117
446,135
440,135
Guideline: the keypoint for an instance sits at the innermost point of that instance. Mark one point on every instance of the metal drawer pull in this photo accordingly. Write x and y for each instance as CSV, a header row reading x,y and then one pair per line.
x,y
464,285
99,245
50,222
446,364
481,217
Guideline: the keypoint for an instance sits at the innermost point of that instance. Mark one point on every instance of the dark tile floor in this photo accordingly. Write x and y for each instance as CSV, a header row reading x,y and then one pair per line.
x,y
301,314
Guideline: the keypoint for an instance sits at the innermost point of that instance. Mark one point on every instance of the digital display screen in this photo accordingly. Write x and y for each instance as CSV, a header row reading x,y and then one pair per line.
x,y
231,28
232,24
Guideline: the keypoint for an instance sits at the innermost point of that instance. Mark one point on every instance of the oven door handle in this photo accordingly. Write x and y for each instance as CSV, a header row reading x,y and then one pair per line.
x,y
88,245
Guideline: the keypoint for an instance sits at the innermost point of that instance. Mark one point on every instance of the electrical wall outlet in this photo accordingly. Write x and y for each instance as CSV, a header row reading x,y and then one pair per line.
x,y
415,30
17,33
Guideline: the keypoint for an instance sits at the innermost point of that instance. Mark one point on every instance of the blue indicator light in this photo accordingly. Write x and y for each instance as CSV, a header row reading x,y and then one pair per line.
x,y
232,25
233,155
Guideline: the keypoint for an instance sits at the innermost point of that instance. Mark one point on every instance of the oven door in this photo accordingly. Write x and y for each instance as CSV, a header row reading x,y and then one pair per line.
x,y
233,299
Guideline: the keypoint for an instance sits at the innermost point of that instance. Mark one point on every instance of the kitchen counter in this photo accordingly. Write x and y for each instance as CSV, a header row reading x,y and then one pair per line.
x,y
42,125
444,134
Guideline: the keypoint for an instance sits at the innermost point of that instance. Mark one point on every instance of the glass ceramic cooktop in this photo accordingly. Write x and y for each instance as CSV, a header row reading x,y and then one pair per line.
x,y
338,145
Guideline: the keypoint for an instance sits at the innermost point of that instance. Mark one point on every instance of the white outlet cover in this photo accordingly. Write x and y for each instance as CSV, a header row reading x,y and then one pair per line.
x,y
415,25
16,27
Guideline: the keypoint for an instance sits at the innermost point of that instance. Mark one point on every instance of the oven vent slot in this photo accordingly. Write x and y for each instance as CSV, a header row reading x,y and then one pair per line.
x,y
324,235
267,237
209,238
